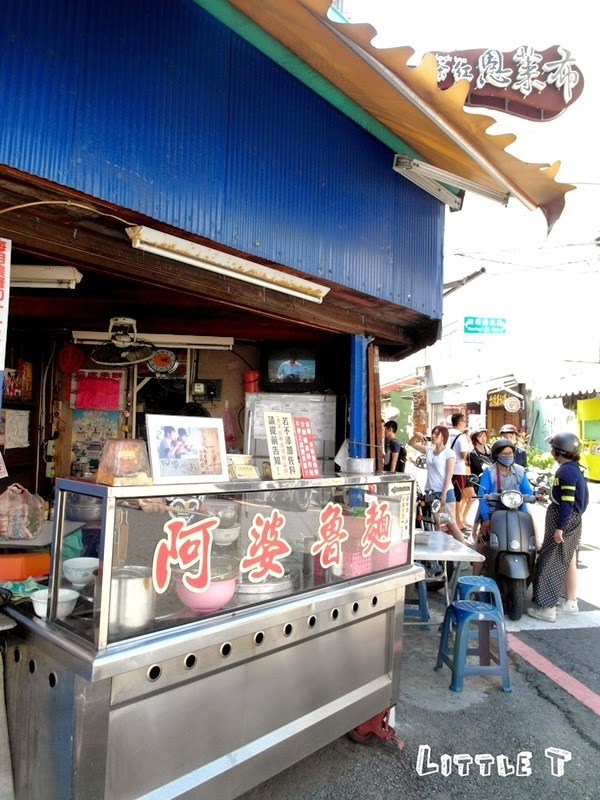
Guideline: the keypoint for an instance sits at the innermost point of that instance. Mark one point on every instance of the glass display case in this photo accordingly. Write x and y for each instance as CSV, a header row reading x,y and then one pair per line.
x,y
152,558
228,615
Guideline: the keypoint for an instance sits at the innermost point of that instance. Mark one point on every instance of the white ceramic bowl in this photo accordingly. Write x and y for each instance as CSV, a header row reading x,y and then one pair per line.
x,y
224,510
66,602
224,536
80,571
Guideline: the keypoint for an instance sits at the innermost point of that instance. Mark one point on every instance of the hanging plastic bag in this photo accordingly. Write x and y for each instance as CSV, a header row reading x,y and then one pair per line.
x,y
21,513
444,516
341,457
228,424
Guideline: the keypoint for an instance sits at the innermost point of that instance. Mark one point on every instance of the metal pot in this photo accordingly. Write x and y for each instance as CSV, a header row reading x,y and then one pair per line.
x,y
83,508
132,599
270,588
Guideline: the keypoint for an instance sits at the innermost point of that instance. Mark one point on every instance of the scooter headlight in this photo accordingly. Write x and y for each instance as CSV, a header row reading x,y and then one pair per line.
x,y
511,498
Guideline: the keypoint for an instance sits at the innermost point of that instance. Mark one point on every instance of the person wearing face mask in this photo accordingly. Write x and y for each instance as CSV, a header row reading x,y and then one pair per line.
x,y
503,474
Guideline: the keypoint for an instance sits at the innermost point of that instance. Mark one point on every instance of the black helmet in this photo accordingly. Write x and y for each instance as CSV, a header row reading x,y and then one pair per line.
x,y
565,443
499,445
508,429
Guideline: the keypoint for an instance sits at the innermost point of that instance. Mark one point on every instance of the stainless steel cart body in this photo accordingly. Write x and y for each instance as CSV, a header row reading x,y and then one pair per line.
x,y
173,702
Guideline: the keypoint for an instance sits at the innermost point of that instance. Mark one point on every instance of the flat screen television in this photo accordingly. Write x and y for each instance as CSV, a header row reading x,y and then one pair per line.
x,y
290,368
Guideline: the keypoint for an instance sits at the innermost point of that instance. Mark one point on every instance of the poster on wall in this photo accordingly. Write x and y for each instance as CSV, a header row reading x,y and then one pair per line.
x,y
17,384
91,429
102,389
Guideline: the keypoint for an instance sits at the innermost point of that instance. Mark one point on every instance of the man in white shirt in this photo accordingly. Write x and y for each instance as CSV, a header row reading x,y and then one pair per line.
x,y
459,443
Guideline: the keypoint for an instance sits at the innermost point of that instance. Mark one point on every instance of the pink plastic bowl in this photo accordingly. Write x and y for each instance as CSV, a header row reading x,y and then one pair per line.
x,y
224,576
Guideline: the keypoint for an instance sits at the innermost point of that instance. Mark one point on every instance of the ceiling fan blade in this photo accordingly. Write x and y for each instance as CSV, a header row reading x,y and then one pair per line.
x,y
109,355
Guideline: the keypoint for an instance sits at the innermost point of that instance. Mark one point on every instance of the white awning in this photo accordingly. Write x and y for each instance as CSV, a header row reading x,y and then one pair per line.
x,y
571,379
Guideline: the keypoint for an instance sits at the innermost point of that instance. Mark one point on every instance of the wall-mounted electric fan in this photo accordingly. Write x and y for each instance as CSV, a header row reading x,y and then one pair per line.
x,y
123,348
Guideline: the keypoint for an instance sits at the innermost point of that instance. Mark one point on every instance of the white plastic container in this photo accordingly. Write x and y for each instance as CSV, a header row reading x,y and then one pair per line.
x,y
360,466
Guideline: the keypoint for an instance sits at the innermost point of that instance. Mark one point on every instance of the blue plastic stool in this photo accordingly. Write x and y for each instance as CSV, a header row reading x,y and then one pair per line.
x,y
488,592
486,588
462,614
420,603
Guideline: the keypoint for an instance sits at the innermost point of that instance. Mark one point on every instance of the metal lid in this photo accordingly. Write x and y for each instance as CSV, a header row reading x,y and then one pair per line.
x,y
270,587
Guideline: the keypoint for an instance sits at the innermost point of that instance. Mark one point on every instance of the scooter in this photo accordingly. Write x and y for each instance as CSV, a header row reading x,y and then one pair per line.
x,y
510,551
292,499
540,480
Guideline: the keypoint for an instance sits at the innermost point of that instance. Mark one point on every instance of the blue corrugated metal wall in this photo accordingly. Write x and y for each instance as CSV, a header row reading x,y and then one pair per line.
x,y
157,107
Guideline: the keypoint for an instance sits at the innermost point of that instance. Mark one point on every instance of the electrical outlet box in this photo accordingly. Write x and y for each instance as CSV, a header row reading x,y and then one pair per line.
x,y
50,448
50,469
206,389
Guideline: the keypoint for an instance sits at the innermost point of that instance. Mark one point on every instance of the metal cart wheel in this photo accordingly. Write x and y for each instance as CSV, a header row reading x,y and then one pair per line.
x,y
360,736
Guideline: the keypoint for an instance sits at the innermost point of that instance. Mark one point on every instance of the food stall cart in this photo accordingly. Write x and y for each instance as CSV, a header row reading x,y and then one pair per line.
x,y
217,636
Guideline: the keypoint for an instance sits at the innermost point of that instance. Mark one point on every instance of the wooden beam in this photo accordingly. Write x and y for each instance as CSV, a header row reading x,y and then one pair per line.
x,y
60,225
374,406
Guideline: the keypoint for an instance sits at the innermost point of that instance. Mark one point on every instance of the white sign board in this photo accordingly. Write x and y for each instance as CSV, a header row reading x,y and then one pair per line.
x,y
281,440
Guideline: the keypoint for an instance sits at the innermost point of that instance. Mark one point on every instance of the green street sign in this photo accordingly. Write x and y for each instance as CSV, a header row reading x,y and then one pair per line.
x,y
484,325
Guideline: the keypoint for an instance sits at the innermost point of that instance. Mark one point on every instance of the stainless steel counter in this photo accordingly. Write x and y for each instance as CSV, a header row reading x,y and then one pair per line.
x,y
212,706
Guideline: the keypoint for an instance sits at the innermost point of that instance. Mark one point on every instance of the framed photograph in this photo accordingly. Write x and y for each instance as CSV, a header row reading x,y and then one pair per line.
x,y
186,449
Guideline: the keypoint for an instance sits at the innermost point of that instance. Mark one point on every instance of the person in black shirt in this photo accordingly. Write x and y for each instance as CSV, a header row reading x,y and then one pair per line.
x,y
479,458
394,449
555,574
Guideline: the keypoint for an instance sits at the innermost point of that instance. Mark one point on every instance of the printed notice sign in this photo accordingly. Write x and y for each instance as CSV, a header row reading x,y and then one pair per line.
x,y
281,441
309,462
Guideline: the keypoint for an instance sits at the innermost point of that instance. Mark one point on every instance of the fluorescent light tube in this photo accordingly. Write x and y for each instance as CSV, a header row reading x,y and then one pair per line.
x,y
197,255
161,340
29,276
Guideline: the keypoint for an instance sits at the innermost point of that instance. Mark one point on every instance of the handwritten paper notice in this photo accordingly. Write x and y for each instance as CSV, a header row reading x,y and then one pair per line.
x,y
16,432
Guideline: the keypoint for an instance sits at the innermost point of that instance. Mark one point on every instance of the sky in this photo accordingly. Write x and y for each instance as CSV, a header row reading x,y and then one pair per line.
x,y
526,269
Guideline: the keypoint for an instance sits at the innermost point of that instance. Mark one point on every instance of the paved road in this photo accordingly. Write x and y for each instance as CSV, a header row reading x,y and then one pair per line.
x,y
555,703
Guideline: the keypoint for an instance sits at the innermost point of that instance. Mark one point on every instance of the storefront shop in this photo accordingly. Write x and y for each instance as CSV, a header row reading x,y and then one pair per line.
x,y
205,257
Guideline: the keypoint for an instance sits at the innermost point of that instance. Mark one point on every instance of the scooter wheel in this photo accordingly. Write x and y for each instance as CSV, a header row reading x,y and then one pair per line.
x,y
515,597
